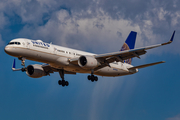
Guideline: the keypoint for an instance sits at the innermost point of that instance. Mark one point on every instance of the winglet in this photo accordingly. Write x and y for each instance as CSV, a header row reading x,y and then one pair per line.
x,y
172,37
170,41
14,65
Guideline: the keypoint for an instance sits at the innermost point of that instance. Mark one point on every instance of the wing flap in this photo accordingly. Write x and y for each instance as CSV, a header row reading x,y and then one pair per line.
x,y
48,69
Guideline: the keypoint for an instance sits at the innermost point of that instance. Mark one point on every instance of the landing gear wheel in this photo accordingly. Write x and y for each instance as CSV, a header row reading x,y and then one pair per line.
x,y
89,77
60,82
92,78
67,83
96,78
63,83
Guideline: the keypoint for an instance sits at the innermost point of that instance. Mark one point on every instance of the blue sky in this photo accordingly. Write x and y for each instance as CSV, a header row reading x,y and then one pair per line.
x,y
97,26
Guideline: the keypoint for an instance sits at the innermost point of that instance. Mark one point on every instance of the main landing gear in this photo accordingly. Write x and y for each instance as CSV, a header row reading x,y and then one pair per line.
x,y
92,77
62,82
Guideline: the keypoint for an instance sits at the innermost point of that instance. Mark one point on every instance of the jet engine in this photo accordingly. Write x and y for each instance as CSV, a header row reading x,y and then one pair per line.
x,y
35,71
87,62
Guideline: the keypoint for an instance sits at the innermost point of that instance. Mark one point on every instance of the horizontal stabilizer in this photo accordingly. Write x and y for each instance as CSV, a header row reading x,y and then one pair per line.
x,y
146,65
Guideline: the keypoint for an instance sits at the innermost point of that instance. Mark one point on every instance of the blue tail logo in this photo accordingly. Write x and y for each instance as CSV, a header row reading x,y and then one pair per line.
x,y
129,44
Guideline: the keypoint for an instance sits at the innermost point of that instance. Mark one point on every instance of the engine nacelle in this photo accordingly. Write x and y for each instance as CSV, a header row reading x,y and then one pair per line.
x,y
88,62
35,71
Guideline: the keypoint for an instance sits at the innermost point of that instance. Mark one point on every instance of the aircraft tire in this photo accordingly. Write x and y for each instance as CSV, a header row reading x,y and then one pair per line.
x,y
63,83
92,78
89,77
67,83
96,78
60,82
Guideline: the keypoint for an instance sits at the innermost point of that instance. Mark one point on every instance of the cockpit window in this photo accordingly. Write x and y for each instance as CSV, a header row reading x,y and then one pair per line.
x,y
12,43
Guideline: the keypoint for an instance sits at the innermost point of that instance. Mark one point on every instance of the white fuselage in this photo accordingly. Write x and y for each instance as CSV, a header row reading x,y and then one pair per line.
x,y
58,57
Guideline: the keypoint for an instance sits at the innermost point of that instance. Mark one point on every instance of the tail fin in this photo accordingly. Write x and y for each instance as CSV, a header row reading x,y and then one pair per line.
x,y
129,44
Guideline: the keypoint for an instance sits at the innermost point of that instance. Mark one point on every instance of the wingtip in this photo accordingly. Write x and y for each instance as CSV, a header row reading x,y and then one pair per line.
x,y
171,40
163,61
13,67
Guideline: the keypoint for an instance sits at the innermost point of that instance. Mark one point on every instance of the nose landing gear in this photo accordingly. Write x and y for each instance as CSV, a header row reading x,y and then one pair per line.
x,y
22,63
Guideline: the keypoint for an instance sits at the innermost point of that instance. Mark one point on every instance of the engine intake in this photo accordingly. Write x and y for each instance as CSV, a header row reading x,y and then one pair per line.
x,y
87,62
35,71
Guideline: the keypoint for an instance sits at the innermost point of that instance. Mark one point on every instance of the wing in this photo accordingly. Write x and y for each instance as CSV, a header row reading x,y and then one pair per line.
x,y
123,55
120,56
48,69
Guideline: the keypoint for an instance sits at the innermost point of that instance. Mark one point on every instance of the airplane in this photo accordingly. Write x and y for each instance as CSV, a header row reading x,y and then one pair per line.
x,y
71,61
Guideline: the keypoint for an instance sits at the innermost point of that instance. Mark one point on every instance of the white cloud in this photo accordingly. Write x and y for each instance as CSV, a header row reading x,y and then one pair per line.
x,y
161,13
107,88
91,24
100,31
3,20
1,41
97,26
69,30
177,117
176,18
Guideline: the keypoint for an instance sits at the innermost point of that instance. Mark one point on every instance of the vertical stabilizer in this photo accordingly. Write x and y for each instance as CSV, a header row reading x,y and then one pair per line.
x,y
129,44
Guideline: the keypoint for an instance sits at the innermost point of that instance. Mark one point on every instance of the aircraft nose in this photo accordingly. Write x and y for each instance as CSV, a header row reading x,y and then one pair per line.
x,y
7,49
